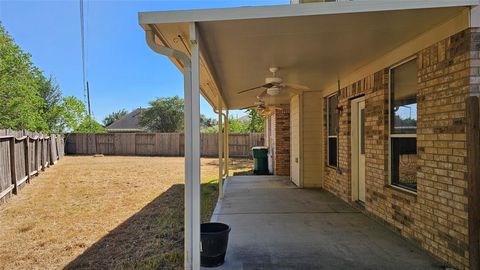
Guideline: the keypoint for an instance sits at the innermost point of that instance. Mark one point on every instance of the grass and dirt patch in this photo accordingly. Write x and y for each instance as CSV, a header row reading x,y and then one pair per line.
x,y
103,213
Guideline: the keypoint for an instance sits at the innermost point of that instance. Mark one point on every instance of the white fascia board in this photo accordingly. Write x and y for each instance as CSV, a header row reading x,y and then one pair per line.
x,y
262,12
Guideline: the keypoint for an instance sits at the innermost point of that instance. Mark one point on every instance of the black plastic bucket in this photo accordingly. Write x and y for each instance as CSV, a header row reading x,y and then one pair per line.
x,y
214,237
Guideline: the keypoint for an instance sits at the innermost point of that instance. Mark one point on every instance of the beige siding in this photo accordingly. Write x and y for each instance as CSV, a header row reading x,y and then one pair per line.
x,y
312,123
295,140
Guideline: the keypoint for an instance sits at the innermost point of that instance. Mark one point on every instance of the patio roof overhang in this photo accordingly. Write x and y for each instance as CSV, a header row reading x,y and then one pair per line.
x,y
313,44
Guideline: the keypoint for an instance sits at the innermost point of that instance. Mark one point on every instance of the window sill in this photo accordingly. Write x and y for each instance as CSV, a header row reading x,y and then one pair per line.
x,y
402,190
332,167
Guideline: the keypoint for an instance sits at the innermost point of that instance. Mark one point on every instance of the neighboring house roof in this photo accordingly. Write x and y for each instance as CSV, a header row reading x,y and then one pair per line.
x,y
244,118
128,123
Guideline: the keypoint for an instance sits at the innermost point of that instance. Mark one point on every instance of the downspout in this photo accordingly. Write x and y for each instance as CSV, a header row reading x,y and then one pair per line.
x,y
225,141
220,154
227,144
183,57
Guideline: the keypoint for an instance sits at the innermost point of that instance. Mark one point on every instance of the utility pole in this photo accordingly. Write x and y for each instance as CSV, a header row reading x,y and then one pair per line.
x,y
88,100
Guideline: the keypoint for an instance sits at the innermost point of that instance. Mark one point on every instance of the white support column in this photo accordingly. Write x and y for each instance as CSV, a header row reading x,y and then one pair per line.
x,y
220,153
192,156
227,143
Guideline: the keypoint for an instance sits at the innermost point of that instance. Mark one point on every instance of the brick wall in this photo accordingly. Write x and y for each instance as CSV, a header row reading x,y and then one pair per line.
x,y
435,217
281,133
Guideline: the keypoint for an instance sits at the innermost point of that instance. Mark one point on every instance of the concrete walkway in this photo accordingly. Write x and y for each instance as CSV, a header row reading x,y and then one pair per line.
x,y
278,226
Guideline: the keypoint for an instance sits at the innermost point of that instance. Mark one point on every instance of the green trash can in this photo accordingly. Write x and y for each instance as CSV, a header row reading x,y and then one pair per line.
x,y
260,159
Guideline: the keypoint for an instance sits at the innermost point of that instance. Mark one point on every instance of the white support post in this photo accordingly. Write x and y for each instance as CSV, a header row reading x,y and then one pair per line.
x,y
192,155
227,143
220,153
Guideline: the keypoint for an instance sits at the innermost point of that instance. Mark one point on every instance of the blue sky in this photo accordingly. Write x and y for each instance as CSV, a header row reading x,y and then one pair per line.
x,y
122,71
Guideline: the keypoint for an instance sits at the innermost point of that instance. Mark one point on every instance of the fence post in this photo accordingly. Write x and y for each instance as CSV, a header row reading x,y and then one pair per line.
x,y
13,169
42,161
473,176
38,154
27,158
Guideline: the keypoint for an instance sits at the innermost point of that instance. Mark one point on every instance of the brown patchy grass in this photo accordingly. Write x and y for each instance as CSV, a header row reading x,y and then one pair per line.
x,y
103,213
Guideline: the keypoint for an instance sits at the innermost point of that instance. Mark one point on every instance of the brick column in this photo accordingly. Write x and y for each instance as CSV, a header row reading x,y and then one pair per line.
x,y
281,126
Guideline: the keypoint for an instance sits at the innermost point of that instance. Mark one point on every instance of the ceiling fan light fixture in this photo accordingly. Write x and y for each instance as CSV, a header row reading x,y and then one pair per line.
x,y
273,91
273,80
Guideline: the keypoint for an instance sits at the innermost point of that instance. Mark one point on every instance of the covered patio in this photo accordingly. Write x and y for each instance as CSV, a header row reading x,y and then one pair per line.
x,y
276,225
344,50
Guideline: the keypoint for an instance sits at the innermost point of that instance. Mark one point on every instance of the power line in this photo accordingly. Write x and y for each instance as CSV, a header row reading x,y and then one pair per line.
x,y
82,38
86,89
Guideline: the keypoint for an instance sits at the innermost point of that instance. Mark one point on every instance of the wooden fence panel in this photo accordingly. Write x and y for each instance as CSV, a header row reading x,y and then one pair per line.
x,y
81,144
105,144
22,155
32,154
157,144
44,154
61,147
53,149
124,143
239,145
71,144
209,144
20,161
91,144
167,144
38,154
5,168
145,144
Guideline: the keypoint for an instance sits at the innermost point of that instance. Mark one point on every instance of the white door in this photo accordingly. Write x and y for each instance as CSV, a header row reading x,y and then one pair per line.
x,y
358,149
361,151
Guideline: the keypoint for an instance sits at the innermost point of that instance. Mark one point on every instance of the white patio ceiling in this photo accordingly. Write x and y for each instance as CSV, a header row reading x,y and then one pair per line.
x,y
312,44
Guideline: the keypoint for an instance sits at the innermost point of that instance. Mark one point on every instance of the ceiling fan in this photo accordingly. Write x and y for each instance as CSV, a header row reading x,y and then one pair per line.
x,y
274,85
262,108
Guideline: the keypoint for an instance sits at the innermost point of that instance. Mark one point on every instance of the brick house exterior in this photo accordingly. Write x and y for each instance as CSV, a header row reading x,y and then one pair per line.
x,y
436,217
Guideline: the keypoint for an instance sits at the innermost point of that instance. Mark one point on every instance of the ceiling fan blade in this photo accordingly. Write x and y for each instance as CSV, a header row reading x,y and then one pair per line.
x,y
248,107
262,95
296,86
267,85
275,107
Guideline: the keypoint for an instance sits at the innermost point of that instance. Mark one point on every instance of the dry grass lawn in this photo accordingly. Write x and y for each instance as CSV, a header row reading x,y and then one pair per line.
x,y
103,213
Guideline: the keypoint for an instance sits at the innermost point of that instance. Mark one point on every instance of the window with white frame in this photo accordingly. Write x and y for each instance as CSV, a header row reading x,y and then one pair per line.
x,y
332,130
403,125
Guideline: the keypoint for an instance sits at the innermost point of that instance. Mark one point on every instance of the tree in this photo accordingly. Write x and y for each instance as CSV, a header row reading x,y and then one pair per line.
x,y
206,122
255,123
237,126
163,115
114,116
72,115
51,108
20,103
89,125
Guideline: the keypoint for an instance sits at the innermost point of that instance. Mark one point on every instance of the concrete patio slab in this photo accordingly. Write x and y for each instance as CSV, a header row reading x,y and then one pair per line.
x,y
278,226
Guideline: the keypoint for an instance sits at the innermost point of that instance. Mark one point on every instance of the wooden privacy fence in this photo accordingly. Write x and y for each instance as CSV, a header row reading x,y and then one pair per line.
x,y
23,155
156,144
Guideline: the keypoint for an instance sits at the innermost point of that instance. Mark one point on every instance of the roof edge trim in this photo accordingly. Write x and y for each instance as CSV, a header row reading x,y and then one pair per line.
x,y
260,12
